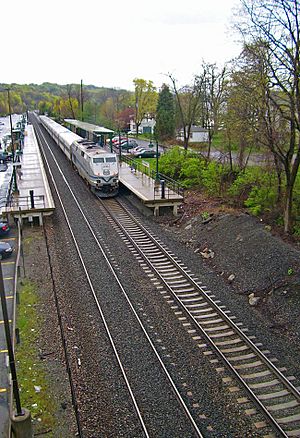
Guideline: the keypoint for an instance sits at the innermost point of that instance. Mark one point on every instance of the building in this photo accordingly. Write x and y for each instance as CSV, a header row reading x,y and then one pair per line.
x,y
146,126
197,135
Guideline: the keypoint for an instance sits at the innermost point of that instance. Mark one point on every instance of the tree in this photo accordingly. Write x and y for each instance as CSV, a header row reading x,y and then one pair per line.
x,y
188,101
124,117
73,102
145,100
243,102
165,114
213,83
275,26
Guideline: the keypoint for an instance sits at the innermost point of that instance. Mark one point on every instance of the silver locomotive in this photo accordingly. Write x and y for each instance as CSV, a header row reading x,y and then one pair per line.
x,y
99,168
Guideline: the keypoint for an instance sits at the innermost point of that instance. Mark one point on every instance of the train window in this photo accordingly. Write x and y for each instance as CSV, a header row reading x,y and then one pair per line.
x,y
98,160
110,159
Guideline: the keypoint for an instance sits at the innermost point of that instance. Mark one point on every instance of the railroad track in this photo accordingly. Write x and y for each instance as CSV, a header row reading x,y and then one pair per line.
x,y
273,393
182,406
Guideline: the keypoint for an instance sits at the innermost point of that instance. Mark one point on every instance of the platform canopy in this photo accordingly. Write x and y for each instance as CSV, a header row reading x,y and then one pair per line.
x,y
89,127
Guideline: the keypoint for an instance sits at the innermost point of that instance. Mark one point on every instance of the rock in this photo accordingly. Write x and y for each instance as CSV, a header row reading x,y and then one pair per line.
x,y
207,220
253,300
207,253
188,227
231,278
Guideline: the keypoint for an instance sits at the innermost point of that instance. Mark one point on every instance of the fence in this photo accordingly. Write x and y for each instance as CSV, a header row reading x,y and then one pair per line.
x,y
164,186
27,202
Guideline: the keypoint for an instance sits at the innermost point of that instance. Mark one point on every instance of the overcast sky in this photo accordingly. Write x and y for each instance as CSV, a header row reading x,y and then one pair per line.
x,y
111,42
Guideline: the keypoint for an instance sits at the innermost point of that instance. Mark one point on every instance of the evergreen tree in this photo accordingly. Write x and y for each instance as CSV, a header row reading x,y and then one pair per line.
x,y
165,114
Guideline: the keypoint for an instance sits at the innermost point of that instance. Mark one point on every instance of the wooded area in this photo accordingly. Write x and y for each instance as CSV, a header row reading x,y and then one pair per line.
x,y
250,105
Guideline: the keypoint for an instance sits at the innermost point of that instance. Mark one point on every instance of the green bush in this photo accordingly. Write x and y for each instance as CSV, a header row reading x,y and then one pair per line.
x,y
190,174
212,178
296,205
261,199
255,189
171,163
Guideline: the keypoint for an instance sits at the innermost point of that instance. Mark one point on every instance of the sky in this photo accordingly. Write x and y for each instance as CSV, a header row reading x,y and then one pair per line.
x,y
110,42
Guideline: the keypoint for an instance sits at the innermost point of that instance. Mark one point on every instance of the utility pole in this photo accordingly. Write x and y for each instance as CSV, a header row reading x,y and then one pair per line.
x,y
21,418
12,143
81,100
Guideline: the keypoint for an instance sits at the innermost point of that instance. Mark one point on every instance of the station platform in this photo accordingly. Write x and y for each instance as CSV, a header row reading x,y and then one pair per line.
x,y
153,194
33,198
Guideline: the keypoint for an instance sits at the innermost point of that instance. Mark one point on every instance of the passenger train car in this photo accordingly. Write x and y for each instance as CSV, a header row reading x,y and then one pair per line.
x,y
96,166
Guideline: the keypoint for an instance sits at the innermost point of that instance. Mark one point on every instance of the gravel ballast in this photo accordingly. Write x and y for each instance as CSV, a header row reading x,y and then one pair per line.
x,y
246,259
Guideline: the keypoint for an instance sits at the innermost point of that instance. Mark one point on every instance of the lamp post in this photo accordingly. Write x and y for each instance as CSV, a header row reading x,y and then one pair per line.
x,y
156,173
120,150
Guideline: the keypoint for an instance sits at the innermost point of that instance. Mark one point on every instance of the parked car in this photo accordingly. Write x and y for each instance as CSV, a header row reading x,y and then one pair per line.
x,y
147,153
137,149
115,140
4,229
6,250
5,156
129,145
3,166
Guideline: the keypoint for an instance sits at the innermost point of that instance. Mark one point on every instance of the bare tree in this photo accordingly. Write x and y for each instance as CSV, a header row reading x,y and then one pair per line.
x,y
213,80
188,100
274,24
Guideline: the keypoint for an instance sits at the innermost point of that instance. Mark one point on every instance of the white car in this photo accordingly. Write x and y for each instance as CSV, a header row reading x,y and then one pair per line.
x,y
136,150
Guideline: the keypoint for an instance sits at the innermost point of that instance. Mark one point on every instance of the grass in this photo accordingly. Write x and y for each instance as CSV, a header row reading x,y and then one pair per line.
x,y
32,375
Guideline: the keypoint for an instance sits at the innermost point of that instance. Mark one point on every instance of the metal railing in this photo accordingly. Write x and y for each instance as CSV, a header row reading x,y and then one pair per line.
x,y
27,202
171,186
164,186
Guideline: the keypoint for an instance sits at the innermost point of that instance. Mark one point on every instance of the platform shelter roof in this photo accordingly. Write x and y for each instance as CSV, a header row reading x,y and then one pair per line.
x,y
89,127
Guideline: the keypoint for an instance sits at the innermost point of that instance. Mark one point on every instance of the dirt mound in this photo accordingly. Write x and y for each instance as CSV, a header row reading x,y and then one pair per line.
x,y
245,247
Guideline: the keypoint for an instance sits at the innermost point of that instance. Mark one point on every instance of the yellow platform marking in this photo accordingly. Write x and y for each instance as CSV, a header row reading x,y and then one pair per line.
x,y
8,239
9,297
2,390
8,278
3,351
8,263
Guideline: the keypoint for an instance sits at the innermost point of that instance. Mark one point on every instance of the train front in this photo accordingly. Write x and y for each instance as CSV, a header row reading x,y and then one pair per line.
x,y
106,174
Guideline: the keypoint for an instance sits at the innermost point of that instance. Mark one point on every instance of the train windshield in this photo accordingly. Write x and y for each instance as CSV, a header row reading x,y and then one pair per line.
x,y
110,159
98,160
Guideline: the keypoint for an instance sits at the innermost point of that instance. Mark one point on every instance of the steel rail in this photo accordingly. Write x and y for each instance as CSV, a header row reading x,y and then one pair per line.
x,y
179,398
237,330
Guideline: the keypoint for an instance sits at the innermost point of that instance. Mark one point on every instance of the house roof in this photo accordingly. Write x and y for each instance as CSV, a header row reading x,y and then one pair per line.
x,y
195,128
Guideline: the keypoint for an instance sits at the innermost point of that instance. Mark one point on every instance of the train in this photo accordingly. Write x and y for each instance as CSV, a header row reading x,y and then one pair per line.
x,y
98,167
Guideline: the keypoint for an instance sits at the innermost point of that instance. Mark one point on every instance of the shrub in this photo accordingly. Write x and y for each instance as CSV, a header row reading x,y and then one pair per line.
x,y
260,199
171,163
255,189
212,178
190,174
